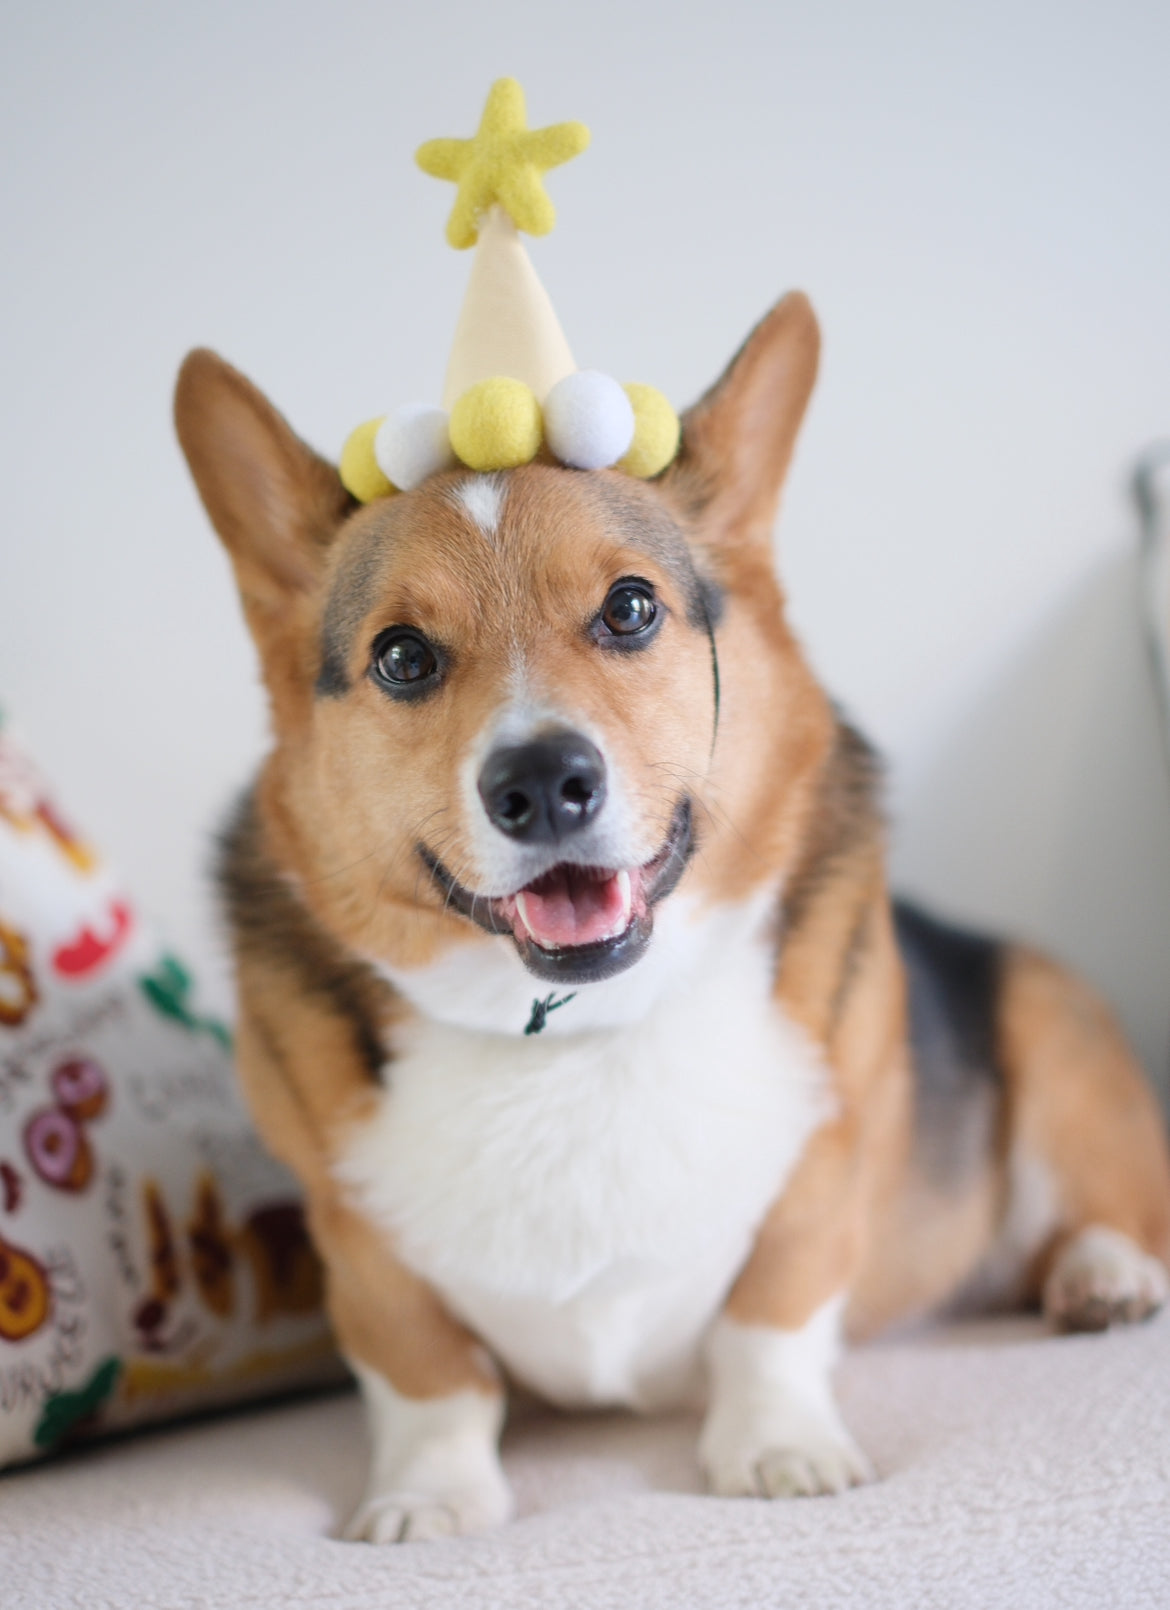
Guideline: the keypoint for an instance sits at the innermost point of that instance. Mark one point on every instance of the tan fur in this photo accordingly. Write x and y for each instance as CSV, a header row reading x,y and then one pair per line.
x,y
306,1085
326,870
1080,1106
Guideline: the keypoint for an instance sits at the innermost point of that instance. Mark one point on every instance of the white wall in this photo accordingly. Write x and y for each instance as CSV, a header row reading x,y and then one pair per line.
x,y
975,196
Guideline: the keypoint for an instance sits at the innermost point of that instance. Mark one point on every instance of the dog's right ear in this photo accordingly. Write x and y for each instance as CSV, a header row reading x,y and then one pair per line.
x,y
275,503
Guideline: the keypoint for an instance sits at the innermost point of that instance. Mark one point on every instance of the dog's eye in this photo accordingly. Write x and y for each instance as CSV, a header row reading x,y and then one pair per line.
x,y
630,609
404,662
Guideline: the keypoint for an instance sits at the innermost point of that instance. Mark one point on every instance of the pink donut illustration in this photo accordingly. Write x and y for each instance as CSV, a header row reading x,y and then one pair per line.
x,y
58,1150
81,1088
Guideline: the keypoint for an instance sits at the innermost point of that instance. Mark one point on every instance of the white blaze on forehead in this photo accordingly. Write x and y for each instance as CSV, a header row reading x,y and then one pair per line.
x,y
482,497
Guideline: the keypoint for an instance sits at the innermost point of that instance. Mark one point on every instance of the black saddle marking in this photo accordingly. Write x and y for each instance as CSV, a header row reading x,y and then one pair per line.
x,y
953,981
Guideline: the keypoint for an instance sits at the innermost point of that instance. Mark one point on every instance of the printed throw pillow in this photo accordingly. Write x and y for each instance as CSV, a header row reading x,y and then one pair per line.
x,y
153,1258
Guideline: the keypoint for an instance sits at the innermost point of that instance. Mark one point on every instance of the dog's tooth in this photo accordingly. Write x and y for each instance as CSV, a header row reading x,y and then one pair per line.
x,y
522,911
622,921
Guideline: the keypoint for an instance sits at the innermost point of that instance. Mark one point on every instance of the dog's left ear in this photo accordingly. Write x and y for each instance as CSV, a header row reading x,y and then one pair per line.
x,y
737,440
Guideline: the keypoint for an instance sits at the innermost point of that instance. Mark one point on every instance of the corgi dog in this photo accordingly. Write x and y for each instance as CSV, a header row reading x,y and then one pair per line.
x,y
571,987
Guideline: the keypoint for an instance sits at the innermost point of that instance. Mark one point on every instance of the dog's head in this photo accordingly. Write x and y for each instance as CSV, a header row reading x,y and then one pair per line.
x,y
522,705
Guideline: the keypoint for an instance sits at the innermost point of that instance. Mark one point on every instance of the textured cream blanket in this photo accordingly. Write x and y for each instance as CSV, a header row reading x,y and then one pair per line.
x,y
1017,1471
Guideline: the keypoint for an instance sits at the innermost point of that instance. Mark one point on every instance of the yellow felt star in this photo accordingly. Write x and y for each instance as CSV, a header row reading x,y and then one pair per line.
x,y
504,163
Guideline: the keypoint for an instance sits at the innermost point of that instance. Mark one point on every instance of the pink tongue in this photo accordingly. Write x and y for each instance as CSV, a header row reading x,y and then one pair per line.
x,y
569,907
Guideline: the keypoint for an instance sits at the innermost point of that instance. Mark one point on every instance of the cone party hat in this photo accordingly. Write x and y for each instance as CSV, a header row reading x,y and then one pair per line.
x,y
512,388
507,325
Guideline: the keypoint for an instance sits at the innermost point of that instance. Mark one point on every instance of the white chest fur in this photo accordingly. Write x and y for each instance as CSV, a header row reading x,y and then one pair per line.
x,y
584,1200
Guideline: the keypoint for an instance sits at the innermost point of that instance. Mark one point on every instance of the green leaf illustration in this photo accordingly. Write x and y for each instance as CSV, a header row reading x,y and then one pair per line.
x,y
168,988
64,1411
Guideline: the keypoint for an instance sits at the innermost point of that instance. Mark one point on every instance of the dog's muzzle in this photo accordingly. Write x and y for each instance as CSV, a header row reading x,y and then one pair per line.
x,y
576,924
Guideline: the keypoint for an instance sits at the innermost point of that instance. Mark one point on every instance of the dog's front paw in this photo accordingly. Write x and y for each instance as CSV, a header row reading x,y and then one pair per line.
x,y
780,1456
400,1516
436,1468
1102,1278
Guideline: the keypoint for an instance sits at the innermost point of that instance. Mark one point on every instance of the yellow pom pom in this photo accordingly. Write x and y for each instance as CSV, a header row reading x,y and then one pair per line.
x,y
360,475
496,425
656,433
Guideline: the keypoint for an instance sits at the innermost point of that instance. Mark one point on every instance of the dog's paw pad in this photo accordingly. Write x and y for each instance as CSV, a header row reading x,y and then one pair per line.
x,y
828,1462
403,1517
1102,1278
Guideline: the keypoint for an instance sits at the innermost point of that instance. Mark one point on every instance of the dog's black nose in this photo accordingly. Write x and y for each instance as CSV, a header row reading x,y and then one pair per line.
x,y
542,791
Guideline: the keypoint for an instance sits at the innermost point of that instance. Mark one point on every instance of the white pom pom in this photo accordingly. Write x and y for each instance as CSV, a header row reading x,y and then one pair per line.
x,y
412,443
588,420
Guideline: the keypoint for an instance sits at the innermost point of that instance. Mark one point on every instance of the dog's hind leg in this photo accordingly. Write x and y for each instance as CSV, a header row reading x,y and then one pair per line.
x,y
1082,1121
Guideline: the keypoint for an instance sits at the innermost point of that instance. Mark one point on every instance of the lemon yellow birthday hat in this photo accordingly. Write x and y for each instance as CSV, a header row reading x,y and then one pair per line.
x,y
512,386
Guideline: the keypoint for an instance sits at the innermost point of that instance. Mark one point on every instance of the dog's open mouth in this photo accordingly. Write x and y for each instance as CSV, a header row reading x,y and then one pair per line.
x,y
578,924
572,906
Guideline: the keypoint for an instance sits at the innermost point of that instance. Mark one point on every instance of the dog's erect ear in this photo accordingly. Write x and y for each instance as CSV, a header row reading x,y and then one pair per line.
x,y
274,502
738,439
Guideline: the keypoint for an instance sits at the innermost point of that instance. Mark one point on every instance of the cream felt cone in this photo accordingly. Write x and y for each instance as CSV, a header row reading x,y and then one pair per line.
x,y
506,325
